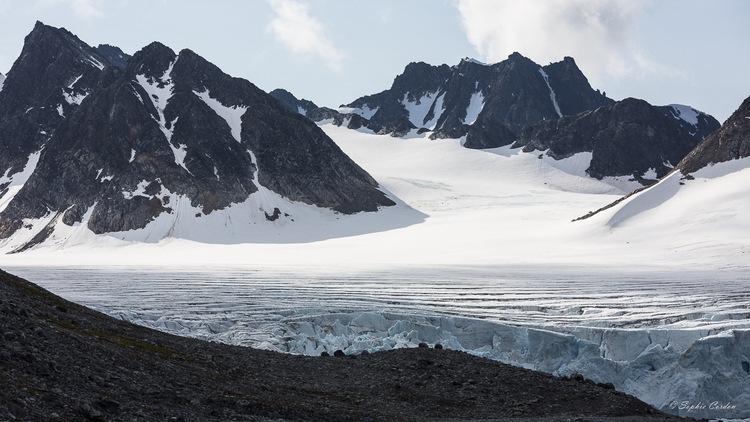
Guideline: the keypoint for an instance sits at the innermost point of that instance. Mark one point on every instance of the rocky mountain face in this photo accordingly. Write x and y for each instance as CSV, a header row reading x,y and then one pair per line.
x,y
730,142
169,128
517,102
487,103
626,138
291,102
48,81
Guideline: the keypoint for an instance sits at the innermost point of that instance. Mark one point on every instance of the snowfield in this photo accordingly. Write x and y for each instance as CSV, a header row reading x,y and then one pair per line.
x,y
479,254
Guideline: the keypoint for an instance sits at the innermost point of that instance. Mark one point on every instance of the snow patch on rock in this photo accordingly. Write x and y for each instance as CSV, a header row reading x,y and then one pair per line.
x,y
74,98
159,92
365,111
551,92
686,113
232,115
418,109
476,104
14,182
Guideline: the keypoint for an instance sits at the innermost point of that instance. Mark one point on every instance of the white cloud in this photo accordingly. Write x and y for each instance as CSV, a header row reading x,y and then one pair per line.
x,y
599,34
83,8
301,33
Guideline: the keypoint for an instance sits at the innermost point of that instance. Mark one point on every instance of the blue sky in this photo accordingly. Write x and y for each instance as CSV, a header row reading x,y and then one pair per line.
x,y
333,51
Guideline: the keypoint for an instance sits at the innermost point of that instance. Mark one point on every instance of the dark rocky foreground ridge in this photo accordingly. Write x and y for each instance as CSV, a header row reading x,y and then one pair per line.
x,y
126,144
63,362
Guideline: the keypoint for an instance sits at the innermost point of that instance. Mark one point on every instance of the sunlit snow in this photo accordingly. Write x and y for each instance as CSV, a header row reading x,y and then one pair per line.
x,y
476,104
96,63
469,59
686,113
232,115
419,109
72,84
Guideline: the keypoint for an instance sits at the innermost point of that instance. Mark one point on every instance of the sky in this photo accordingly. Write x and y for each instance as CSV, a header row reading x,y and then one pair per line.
x,y
332,51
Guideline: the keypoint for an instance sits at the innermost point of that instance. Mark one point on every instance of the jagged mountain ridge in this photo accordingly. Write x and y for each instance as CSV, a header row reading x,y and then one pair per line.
x,y
514,102
173,128
627,138
498,99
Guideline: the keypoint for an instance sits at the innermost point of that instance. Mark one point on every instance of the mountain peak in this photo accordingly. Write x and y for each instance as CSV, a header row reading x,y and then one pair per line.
x,y
54,73
502,98
573,92
61,39
151,61
172,138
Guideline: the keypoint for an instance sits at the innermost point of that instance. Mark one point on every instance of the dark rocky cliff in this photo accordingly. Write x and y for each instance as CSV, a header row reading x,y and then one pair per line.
x,y
730,142
171,127
417,80
301,106
626,138
47,82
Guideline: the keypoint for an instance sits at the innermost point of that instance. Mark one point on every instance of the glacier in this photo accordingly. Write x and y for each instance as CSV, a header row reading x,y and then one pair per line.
x,y
560,320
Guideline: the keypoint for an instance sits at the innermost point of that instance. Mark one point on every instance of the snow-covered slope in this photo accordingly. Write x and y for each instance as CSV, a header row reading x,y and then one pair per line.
x,y
2,81
702,206
457,206
706,215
